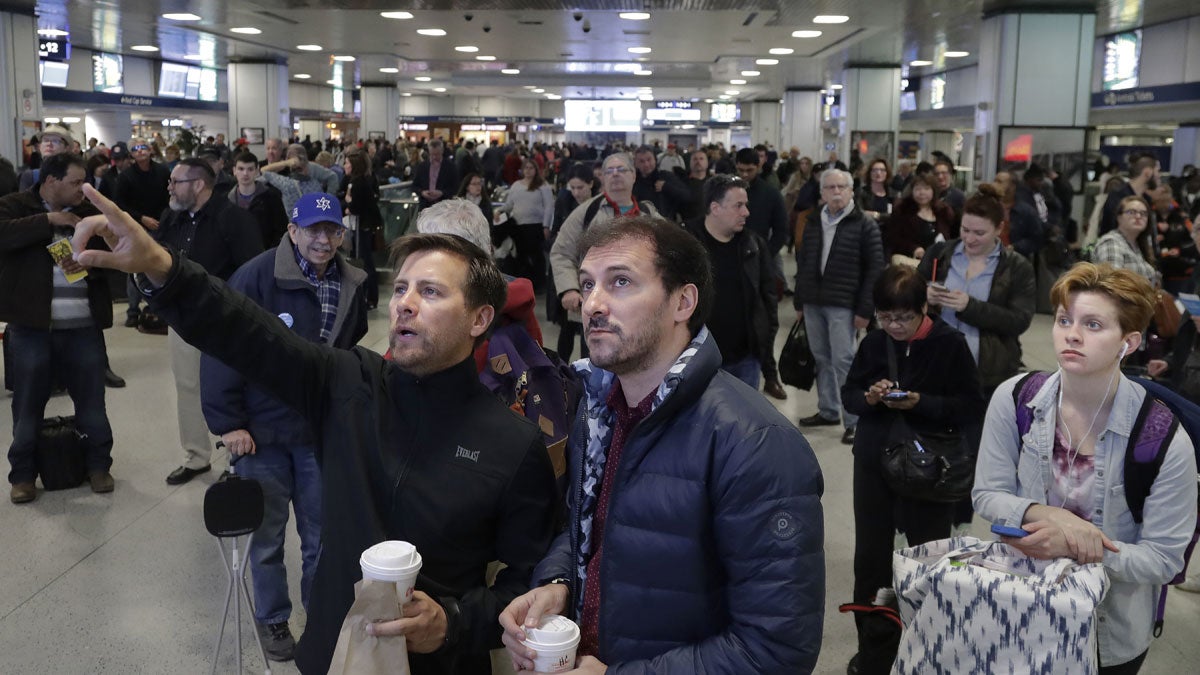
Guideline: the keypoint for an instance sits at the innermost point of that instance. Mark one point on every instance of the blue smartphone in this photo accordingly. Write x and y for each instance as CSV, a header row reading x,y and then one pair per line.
x,y
895,395
1006,531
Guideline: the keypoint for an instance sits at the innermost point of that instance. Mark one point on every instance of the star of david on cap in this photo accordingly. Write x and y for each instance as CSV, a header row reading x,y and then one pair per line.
x,y
317,207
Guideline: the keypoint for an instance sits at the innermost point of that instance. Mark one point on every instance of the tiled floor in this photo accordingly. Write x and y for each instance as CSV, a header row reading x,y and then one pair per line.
x,y
130,582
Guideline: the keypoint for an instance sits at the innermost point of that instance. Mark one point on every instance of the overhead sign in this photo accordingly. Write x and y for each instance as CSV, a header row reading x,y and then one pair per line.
x,y
1168,93
725,112
107,73
54,49
678,105
672,115
1122,53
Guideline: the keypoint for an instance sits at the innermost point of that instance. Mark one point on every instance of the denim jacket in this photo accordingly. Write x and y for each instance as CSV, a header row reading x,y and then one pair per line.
x,y
1014,473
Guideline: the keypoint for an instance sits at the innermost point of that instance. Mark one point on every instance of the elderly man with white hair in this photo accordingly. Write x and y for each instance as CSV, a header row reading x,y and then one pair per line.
x,y
837,263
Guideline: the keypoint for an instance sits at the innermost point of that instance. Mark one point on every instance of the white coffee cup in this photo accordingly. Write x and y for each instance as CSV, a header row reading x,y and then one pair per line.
x,y
555,640
393,561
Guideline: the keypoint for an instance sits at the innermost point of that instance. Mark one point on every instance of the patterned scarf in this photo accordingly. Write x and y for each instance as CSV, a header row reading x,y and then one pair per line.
x,y
598,383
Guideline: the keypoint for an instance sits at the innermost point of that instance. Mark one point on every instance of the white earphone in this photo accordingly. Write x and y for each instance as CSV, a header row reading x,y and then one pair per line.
x,y
1124,350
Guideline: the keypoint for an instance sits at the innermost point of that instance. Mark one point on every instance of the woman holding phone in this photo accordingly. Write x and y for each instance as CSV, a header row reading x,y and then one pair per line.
x,y
934,388
1064,481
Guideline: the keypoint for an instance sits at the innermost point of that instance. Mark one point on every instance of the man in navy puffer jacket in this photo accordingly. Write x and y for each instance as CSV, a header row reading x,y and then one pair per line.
x,y
696,533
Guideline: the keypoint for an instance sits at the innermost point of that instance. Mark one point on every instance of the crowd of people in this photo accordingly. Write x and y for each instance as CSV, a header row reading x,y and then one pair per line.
x,y
667,264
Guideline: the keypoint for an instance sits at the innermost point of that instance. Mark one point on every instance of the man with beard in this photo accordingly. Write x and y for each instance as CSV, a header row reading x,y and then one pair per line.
x,y
391,437
220,237
1143,179
694,542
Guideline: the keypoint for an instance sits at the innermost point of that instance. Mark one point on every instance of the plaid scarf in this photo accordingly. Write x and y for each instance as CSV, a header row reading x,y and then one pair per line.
x,y
600,418
328,290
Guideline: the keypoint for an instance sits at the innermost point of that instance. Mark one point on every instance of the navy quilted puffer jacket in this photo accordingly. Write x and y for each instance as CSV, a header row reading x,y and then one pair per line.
x,y
713,548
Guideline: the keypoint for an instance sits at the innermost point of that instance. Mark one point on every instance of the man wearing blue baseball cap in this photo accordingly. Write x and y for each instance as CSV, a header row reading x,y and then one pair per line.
x,y
221,237
320,297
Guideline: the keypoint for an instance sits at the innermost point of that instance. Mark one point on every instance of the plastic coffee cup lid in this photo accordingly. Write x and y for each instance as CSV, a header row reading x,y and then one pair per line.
x,y
390,558
553,631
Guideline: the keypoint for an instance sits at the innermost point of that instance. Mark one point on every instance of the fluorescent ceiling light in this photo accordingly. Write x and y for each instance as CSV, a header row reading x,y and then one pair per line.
x,y
52,32
732,92
144,48
918,64
309,48
539,91
639,50
70,120
431,32
830,18
806,33
766,62
737,82
485,57
644,73
750,73
708,100
51,120
724,97
530,86
343,58
245,30
439,89
956,55
835,86
180,16
407,93
302,76
389,70
469,49
782,51
396,15
423,78
511,71
634,16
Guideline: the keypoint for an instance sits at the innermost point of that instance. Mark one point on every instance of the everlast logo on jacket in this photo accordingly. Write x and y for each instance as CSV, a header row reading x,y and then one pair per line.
x,y
464,453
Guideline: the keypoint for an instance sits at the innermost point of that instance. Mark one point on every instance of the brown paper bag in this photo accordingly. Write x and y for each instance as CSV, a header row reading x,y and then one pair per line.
x,y
358,653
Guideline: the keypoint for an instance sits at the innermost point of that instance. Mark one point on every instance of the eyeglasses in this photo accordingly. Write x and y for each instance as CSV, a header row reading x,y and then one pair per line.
x,y
330,231
53,140
1135,213
616,171
171,182
140,147
895,319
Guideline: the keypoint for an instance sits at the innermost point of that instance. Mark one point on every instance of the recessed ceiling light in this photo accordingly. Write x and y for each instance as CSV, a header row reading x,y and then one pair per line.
x,y
781,51
766,62
469,49
956,55
639,50
553,97
309,48
643,73
530,86
511,71
732,92
835,87
423,78
439,89
245,30
52,32
396,15
724,97
336,83
180,16
389,70
485,57
51,120
539,91
144,48
737,82
918,64
806,33
431,32
634,16
820,91
70,120
750,73
343,58
708,100
830,18
407,93
302,76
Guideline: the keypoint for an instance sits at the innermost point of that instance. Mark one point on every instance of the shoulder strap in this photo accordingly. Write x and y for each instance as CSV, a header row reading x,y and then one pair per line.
x,y
1148,442
592,210
1027,387
891,354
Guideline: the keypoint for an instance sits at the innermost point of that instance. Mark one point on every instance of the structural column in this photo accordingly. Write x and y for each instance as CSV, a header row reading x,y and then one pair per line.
x,y
20,87
802,122
110,126
258,101
764,122
1185,148
870,111
1035,71
380,110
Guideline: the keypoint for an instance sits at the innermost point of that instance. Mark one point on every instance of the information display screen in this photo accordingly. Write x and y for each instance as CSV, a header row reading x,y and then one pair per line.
x,y
176,80
107,73
53,73
1122,52
603,115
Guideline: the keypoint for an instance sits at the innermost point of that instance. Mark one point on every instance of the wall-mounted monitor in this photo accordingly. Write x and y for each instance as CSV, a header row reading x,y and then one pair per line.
x,y
725,112
603,115
53,73
1122,52
107,73
176,80
172,80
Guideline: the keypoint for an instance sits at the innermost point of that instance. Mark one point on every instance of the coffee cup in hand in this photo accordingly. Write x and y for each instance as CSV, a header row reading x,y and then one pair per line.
x,y
555,640
396,562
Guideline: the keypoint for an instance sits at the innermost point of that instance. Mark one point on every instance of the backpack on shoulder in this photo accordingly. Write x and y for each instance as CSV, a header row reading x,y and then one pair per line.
x,y
1153,430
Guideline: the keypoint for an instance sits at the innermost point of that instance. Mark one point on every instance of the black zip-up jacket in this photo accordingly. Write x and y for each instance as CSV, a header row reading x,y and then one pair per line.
x,y
436,461
143,193
27,270
855,262
266,206
225,237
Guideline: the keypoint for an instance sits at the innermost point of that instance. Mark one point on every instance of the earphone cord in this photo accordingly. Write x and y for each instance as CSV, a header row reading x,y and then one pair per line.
x,y
1073,452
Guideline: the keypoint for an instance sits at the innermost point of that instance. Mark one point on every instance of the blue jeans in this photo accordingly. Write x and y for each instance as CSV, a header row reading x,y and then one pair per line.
x,y
831,336
747,370
287,474
38,358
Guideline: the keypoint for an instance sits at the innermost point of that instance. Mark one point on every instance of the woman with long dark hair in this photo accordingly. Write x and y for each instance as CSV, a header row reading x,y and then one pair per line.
x,y
472,189
530,204
361,199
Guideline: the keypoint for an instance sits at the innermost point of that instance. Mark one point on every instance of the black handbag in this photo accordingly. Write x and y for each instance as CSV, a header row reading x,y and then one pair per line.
x,y
59,455
797,366
931,466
